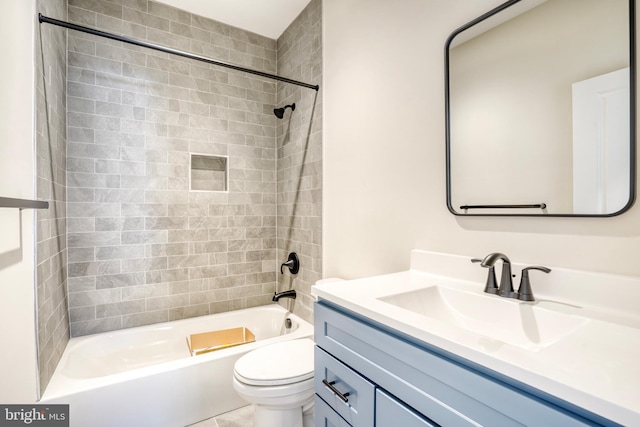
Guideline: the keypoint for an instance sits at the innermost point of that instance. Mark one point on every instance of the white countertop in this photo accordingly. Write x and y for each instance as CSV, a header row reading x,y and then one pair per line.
x,y
596,366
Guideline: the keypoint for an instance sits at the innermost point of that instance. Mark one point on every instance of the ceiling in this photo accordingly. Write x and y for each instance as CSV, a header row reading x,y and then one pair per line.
x,y
265,17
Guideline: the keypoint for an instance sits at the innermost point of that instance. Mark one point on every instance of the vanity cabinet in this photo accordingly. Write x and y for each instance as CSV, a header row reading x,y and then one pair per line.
x,y
389,379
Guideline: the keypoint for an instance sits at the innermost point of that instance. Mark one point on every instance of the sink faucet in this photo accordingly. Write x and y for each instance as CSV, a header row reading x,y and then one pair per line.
x,y
506,285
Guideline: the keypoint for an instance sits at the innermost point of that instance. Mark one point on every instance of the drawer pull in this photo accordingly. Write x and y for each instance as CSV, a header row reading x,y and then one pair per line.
x,y
342,396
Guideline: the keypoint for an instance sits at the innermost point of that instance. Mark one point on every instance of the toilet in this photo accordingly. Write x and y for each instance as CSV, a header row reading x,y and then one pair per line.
x,y
278,380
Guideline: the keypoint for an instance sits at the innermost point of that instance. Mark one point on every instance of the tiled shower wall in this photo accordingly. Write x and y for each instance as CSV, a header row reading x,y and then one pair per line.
x,y
142,247
51,275
299,142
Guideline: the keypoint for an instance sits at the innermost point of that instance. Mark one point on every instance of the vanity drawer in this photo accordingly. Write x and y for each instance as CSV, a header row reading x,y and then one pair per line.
x,y
324,416
391,413
348,393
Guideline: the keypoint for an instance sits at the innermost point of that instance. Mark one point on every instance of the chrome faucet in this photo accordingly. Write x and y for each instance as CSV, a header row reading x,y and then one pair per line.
x,y
506,284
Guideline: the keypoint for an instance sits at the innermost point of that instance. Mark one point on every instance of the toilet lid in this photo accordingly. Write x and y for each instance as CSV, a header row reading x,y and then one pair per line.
x,y
285,362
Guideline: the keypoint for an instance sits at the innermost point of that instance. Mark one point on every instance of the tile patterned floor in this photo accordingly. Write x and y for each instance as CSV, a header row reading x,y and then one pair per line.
x,y
242,417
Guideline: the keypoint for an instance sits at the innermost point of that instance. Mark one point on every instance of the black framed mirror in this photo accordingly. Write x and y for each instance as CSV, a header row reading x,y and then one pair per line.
x,y
540,110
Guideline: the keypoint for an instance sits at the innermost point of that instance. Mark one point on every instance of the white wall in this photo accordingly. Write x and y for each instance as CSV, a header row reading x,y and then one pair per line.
x,y
384,153
17,325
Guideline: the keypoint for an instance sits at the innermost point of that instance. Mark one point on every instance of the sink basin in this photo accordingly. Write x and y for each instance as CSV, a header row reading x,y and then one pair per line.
x,y
493,318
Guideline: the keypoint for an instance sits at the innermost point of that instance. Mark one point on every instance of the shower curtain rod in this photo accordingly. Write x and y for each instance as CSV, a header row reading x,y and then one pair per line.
x,y
111,36
7,202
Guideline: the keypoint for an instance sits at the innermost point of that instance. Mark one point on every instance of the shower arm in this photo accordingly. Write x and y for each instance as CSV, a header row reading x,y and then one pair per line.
x,y
99,33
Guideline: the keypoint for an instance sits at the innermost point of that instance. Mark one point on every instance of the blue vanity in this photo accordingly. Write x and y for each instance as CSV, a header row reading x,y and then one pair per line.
x,y
379,361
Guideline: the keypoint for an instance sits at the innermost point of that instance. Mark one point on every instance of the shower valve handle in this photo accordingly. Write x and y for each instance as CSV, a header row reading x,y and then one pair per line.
x,y
292,263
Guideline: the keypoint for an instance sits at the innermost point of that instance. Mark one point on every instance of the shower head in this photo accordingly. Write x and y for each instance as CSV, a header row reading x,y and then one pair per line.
x,y
279,112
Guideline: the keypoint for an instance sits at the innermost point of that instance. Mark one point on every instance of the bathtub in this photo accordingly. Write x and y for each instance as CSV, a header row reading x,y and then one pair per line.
x,y
145,376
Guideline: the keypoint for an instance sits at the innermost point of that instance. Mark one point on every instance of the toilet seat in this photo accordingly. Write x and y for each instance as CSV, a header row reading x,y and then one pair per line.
x,y
287,362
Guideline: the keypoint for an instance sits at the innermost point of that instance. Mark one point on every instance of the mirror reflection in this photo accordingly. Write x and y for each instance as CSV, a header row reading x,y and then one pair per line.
x,y
539,110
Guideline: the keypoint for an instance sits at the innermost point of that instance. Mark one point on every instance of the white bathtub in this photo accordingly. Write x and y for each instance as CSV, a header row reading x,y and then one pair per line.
x,y
145,376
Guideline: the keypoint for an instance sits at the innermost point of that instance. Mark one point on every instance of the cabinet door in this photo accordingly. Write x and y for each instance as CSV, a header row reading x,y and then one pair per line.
x,y
324,416
393,413
344,390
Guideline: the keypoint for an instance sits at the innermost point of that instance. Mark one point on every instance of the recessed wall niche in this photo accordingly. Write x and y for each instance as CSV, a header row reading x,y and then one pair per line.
x,y
209,173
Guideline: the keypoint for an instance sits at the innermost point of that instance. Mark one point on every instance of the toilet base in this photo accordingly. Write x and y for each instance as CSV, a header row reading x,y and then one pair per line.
x,y
280,406
271,417
278,416
307,418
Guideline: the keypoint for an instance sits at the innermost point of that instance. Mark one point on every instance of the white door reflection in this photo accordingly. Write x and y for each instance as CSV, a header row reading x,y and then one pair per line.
x,y
601,148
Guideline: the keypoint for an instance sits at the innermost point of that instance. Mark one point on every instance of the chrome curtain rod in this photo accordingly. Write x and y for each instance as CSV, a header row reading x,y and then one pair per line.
x,y
536,206
116,37
6,202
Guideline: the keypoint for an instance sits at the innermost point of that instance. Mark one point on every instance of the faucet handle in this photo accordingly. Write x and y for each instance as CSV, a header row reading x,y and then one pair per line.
x,y
292,263
491,286
524,291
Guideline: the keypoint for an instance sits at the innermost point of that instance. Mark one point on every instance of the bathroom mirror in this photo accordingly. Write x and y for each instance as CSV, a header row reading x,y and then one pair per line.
x,y
540,110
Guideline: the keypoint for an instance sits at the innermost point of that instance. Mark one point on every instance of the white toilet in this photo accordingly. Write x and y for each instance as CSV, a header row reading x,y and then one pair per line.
x,y
278,380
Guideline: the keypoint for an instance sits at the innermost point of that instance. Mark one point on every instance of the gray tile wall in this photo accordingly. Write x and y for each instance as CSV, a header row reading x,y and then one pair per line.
x,y
299,144
51,273
142,247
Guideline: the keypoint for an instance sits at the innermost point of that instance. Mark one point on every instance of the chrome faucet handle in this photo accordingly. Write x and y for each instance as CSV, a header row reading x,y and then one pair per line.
x,y
524,290
491,286
506,284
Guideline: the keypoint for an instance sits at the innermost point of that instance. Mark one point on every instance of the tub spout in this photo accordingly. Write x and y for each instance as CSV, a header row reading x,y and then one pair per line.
x,y
285,294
